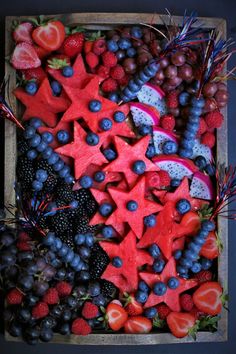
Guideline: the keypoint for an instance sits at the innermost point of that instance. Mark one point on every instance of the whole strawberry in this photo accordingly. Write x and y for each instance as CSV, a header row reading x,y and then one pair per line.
x,y
73,44
132,306
36,74
92,60
80,327
22,32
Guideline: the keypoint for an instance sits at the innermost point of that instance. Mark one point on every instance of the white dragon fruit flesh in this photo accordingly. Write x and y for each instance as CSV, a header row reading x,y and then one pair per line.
x,y
153,96
201,150
201,186
144,114
160,136
177,167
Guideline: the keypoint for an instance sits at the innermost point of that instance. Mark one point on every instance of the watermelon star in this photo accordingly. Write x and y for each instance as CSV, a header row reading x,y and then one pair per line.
x,y
167,230
60,126
171,297
43,104
127,155
125,277
81,152
133,218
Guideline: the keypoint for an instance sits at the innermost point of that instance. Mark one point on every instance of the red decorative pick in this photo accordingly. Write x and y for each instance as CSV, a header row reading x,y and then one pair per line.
x,y
6,113
127,155
167,230
171,297
125,277
82,153
60,126
43,104
133,218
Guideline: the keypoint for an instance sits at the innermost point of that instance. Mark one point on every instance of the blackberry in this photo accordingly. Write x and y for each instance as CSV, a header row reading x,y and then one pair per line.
x,y
98,261
22,146
91,207
83,196
42,164
59,223
43,223
108,289
64,192
25,171
83,226
68,239
50,183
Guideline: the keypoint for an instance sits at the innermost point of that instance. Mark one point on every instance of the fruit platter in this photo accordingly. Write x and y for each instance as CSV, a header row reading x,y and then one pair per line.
x,y
114,228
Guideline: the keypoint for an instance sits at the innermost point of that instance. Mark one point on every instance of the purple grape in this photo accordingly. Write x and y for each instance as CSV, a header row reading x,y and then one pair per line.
x,y
40,287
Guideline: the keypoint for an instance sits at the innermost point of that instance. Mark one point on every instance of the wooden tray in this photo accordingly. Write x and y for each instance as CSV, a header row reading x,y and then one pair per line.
x,y
106,21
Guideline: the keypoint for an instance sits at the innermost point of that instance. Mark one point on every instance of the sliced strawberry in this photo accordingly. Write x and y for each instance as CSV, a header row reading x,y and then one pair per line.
x,y
22,32
210,248
132,306
116,316
37,74
207,298
138,324
50,36
180,323
25,57
41,52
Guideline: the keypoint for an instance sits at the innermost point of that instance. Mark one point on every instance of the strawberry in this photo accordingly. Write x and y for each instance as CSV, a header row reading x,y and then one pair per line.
x,y
203,276
132,306
49,36
210,248
88,46
163,311
109,59
208,139
109,85
99,46
63,288
57,61
36,74
51,296
80,327
92,60
164,178
24,56
103,71
117,72
186,302
138,324
22,32
41,52
89,310
40,310
172,99
14,297
73,44
207,298
168,122
180,323
202,127
214,119
116,316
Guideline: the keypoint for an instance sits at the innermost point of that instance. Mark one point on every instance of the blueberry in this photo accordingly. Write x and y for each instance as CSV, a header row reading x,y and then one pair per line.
x,y
175,182
198,102
56,87
183,206
24,315
107,231
54,157
92,139
177,254
42,146
32,268
128,93
187,144
203,233
26,281
194,247
192,119
190,254
47,152
189,135
109,154
112,46
186,153
35,122
59,165
184,98
67,71
64,329
169,147
35,141
105,124
46,335
151,151
150,220
69,179
63,251
200,162
89,240
138,81
159,288
75,261
63,136
74,204
29,132
113,96
143,286
132,205
145,129
61,274
99,176
117,262
139,167
141,296
151,312
105,209
124,43
195,111
84,275
56,311
64,172
192,127
206,263
66,315
143,76
173,283
136,32
79,239
37,185
154,250
133,86
94,289
41,175
131,52
186,262
119,116
99,300
69,256
31,87
210,169
47,137
124,98
208,225
158,265
58,243
199,240
153,65
15,329
181,269
196,267
95,105
149,71
85,181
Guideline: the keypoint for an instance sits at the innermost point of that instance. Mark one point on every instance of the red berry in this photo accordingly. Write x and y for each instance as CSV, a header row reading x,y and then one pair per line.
x,y
23,236
172,99
89,310
63,288
164,178
22,32
103,71
203,276
99,46
42,53
208,139
109,85
23,246
124,80
163,311
168,122
80,327
109,59
73,44
202,127
117,72
51,296
14,297
37,74
92,60
214,119
24,56
40,310
186,302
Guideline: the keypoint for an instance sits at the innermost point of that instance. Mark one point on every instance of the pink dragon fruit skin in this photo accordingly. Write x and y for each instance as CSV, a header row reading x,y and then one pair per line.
x,y
201,186
144,114
160,136
153,96
176,166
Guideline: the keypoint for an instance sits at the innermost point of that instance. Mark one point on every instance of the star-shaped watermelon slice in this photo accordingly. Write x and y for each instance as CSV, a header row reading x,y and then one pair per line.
x,y
82,153
60,126
125,277
43,104
127,155
167,230
171,297
133,218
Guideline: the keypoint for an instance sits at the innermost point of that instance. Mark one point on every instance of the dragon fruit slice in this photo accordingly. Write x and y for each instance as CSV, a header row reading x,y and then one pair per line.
x,y
176,166
160,136
201,186
201,149
153,96
144,114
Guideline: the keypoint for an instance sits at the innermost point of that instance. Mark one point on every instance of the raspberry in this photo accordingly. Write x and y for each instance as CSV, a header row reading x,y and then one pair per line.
x,y
99,46
186,302
23,246
124,80
15,297
117,72
164,178
196,313
203,276
89,310
63,288
92,60
214,119
103,71
23,236
163,311
109,85
202,127
40,310
208,139
80,327
168,122
109,59
51,296
172,99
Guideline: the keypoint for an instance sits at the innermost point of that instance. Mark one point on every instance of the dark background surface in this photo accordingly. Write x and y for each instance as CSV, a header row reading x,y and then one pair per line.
x,y
209,8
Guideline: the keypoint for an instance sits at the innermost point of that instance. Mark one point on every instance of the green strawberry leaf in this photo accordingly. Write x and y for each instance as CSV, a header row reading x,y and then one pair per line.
x,y
56,63
193,330
158,323
205,212
209,323
219,243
